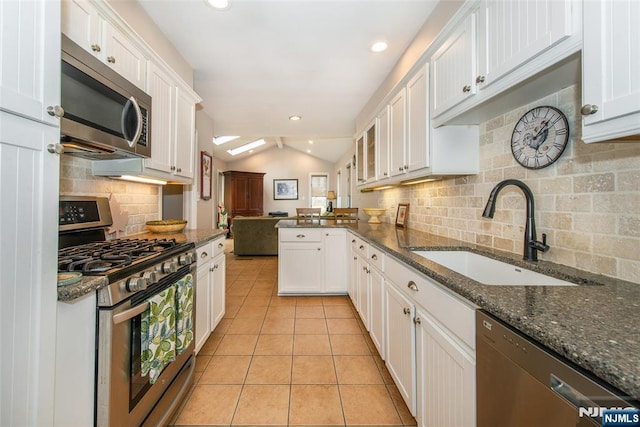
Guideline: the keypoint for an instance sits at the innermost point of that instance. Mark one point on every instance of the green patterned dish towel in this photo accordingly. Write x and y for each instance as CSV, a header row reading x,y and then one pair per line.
x,y
184,313
158,329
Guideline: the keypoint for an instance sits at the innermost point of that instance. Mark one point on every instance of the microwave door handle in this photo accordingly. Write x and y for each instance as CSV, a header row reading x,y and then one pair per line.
x,y
130,314
133,141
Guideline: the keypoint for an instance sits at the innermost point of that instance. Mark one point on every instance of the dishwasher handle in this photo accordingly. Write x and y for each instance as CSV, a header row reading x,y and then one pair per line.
x,y
569,393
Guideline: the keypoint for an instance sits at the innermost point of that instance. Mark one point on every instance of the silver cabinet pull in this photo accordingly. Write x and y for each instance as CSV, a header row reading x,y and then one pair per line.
x,y
466,89
179,169
204,255
220,245
300,236
406,310
111,59
55,111
588,109
412,285
374,257
480,79
95,47
417,320
55,148
353,241
362,247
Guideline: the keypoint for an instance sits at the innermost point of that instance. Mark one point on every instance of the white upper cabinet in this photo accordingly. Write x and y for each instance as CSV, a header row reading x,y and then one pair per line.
x,y
611,70
453,67
370,142
417,150
185,143
360,162
30,59
163,94
83,23
512,32
382,141
397,132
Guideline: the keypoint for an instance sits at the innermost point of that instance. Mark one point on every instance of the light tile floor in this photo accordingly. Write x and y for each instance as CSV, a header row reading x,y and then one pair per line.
x,y
288,361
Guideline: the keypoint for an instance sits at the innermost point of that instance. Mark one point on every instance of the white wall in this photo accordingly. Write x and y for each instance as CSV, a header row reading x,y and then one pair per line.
x,y
285,163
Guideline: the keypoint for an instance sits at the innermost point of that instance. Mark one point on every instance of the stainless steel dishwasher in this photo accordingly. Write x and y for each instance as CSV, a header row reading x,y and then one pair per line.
x,y
520,383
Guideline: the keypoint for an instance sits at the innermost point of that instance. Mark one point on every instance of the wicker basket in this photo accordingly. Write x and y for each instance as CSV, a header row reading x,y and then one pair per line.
x,y
167,225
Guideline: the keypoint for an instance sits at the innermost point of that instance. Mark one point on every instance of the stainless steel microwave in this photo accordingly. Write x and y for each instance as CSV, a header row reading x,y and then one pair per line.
x,y
105,116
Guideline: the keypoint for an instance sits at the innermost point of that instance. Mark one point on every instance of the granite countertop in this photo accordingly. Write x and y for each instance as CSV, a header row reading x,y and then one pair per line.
x,y
90,284
595,325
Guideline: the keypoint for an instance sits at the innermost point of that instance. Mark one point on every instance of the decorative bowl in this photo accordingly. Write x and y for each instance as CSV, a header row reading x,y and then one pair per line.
x,y
374,213
167,225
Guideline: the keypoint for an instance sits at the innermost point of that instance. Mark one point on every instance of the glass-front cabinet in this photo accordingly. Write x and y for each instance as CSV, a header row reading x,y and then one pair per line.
x,y
370,139
360,165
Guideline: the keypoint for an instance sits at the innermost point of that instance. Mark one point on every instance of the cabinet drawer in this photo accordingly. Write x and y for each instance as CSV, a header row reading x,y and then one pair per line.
x,y
218,246
300,234
456,315
205,253
360,247
376,258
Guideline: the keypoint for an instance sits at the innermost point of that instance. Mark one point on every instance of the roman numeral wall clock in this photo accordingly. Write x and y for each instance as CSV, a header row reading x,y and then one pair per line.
x,y
540,137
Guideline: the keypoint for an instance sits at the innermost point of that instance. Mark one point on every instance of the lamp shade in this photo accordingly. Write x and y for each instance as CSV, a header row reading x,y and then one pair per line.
x,y
331,195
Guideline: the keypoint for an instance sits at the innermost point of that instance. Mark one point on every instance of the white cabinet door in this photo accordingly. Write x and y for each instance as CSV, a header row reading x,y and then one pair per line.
x,y
300,268
417,153
370,157
382,141
611,70
453,67
29,178
353,271
361,168
446,378
376,323
400,343
123,56
30,58
184,151
362,269
81,23
510,33
218,290
203,305
397,133
335,261
163,94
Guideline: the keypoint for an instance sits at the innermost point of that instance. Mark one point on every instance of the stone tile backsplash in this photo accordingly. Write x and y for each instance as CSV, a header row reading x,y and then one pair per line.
x,y
141,202
588,202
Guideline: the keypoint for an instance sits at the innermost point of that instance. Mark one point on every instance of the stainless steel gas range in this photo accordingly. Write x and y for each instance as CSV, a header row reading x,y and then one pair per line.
x,y
145,315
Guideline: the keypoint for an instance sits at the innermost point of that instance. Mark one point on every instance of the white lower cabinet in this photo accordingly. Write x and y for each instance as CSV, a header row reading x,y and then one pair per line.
x,y
377,310
210,290
312,261
400,345
446,387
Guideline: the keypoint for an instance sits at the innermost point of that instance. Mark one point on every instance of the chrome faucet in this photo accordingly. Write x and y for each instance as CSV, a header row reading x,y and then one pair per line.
x,y
531,245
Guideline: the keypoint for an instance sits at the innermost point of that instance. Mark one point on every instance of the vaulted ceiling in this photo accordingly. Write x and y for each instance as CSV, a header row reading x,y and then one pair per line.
x,y
261,61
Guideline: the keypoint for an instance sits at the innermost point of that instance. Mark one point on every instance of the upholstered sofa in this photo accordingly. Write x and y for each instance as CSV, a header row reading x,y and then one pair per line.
x,y
255,235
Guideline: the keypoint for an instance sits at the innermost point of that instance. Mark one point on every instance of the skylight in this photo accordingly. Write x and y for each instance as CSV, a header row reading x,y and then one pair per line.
x,y
219,140
246,147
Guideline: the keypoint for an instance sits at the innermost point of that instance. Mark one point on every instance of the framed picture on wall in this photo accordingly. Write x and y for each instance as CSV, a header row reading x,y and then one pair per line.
x,y
402,215
285,189
206,173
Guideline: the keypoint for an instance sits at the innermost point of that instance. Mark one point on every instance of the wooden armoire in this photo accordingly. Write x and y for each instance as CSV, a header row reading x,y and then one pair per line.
x,y
243,193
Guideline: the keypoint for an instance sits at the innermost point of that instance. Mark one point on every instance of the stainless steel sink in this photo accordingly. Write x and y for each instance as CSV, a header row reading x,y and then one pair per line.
x,y
489,271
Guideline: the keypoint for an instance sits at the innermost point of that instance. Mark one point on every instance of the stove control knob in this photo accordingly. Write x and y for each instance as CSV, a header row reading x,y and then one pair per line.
x,y
185,259
169,267
151,276
137,284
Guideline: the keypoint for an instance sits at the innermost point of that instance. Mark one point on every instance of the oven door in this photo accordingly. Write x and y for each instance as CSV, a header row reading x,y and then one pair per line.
x,y
124,396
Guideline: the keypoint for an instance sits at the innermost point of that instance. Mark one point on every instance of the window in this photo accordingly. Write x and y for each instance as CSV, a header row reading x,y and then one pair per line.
x,y
319,184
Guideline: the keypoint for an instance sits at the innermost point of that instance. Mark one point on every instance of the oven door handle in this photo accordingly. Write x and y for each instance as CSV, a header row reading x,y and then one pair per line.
x,y
130,314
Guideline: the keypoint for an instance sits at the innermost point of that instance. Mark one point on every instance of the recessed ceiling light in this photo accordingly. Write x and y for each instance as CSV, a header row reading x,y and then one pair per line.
x,y
218,4
295,118
308,151
219,140
378,46
246,147
310,142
